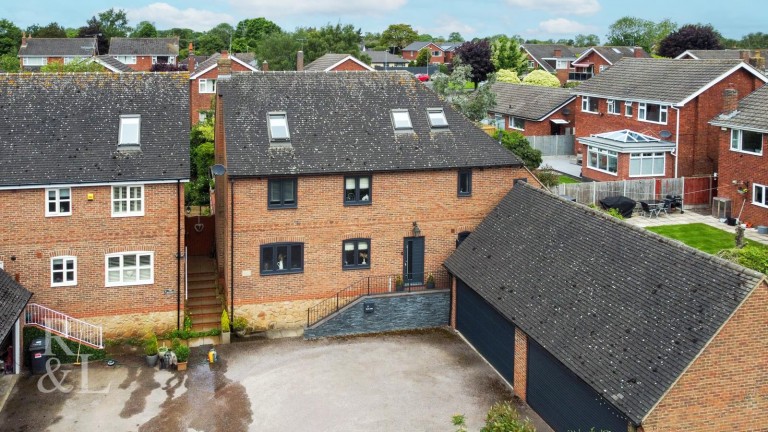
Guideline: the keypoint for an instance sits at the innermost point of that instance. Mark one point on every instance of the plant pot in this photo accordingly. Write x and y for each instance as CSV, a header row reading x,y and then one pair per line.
x,y
152,360
225,336
241,333
181,366
430,285
399,288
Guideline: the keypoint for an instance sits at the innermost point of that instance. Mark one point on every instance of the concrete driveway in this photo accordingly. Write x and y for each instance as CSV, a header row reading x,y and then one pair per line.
x,y
406,382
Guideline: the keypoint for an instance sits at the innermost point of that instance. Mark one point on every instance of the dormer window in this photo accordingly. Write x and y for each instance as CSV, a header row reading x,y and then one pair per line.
x,y
437,118
401,120
278,127
130,130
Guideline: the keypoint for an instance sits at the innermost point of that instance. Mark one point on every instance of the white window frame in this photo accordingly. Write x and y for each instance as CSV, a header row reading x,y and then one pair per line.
x,y
648,157
642,113
437,118
123,270
561,64
512,123
437,53
64,260
585,105
737,136
401,115
202,116
205,88
57,200
602,67
127,200
613,107
39,61
763,193
608,154
124,121
628,109
276,120
126,59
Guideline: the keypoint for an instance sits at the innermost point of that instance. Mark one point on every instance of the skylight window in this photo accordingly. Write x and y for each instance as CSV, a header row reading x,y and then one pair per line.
x,y
130,130
437,118
401,119
278,127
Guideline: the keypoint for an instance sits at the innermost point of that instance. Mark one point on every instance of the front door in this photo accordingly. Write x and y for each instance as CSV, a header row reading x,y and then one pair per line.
x,y
413,260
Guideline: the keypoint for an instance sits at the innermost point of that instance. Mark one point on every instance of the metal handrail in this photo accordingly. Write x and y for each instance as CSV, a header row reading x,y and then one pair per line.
x,y
64,325
375,285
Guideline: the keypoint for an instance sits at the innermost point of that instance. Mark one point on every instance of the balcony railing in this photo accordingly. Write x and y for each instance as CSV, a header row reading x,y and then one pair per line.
x,y
64,325
376,285
579,76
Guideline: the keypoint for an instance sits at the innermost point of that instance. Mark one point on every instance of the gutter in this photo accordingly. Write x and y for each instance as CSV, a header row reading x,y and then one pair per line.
x,y
677,138
178,255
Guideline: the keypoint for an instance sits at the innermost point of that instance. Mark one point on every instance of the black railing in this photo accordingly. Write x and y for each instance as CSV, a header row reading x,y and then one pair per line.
x,y
377,285
579,76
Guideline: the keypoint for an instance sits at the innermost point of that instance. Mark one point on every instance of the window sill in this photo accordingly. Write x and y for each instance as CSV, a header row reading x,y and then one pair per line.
x,y
591,112
469,195
614,114
746,152
63,285
124,215
281,272
603,171
651,121
360,267
760,204
58,214
283,207
645,175
357,203
128,284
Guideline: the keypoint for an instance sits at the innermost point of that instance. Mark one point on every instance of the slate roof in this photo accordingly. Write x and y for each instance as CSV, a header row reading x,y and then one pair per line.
x,y
341,122
383,56
528,101
665,81
614,53
416,46
247,58
63,128
323,63
58,47
114,63
144,46
625,309
720,54
13,300
547,51
750,114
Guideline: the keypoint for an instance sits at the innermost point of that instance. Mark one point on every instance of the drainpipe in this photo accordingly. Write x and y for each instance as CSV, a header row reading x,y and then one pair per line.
x,y
232,249
677,138
178,255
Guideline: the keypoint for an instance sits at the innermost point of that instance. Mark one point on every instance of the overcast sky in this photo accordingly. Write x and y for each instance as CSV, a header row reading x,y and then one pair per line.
x,y
539,19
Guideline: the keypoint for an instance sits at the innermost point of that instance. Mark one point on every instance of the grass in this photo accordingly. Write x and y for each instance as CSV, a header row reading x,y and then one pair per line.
x,y
564,179
700,236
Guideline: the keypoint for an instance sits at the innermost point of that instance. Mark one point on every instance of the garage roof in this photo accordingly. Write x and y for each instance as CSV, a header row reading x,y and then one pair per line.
x,y
625,309
13,300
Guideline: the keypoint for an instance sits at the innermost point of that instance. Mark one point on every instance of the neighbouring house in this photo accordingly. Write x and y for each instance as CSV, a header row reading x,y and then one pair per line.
x,y
754,57
332,178
553,58
112,64
37,52
646,118
384,60
440,53
92,189
141,53
333,63
13,300
598,58
535,111
743,159
203,76
601,325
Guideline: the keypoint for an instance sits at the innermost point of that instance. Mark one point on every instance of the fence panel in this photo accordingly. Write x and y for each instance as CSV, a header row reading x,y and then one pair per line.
x,y
553,145
695,191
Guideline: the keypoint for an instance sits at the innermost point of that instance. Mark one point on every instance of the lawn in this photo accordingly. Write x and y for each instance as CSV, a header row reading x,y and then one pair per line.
x,y
700,236
564,179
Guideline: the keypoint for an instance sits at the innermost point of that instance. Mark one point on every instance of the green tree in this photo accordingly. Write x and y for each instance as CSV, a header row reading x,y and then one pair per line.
x,y
590,40
452,88
52,30
632,31
9,63
279,50
506,54
185,36
339,39
753,40
399,35
540,77
518,144
10,38
249,32
425,37
507,76
215,40
455,37
78,65
144,29
201,158
423,58
114,23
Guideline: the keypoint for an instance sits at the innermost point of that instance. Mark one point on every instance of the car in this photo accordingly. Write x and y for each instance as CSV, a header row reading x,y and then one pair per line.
x,y
422,77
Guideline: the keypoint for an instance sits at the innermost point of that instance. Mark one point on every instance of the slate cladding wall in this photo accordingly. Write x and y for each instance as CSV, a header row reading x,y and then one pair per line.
x,y
391,312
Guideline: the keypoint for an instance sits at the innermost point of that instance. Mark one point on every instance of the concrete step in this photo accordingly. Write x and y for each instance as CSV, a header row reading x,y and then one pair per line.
x,y
201,293
206,284
193,277
205,326
197,310
211,318
203,301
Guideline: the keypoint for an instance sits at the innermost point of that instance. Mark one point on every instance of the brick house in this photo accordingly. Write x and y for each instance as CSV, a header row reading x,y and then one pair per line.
x,y
92,193
598,58
141,53
332,178
439,53
386,60
37,52
645,118
203,76
553,58
615,328
533,110
333,63
111,64
743,160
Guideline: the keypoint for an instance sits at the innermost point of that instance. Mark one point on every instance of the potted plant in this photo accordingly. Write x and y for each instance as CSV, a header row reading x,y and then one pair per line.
x,y
430,281
240,326
182,355
225,334
398,283
150,349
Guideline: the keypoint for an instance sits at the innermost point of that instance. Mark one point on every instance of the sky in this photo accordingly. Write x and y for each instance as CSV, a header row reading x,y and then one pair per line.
x,y
531,19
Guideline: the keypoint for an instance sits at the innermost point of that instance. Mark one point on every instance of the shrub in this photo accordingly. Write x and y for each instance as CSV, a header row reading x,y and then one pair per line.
x,y
615,213
59,352
541,78
503,417
182,353
224,321
150,344
239,323
547,176
507,76
751,256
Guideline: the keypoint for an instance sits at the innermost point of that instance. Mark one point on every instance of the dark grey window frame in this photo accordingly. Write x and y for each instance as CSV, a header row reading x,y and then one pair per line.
x,y
356,265
468,174
358,198
283,181
271,267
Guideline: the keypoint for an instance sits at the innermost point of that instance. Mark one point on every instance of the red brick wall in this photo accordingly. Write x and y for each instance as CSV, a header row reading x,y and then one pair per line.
x,y
740,167
520,385
143,64
89,234
202,101
350,65
322,222
623,168
543,128
597,60
726,388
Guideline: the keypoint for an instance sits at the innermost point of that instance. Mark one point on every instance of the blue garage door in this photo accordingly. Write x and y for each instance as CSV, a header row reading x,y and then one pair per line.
x,y
487,330
563,399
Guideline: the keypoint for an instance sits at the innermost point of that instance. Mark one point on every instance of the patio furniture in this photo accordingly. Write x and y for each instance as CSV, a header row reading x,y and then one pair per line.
x,y
623,204
651,207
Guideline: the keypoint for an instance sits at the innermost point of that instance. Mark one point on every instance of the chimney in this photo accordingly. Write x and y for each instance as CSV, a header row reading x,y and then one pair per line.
x,y
744,55
638,52
24,39
225,64
730,100
300,61
758,61
265,66
191,58
558,52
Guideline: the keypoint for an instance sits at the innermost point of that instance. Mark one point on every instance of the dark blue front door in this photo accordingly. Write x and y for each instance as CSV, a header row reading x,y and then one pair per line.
x,y
413,260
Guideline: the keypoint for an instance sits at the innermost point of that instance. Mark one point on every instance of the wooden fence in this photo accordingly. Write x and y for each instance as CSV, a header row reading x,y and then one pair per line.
x,y
696,191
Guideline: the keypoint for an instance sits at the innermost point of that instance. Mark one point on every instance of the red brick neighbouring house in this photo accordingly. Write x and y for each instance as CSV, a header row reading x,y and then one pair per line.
x,y
336,177
93,201
334,63
141,53
553,58
440,53
659,110
598,58
618,328
743,159
37,52
534,111
203,76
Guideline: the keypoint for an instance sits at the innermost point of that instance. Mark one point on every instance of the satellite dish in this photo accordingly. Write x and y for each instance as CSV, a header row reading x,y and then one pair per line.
x,y
665,134
218,169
